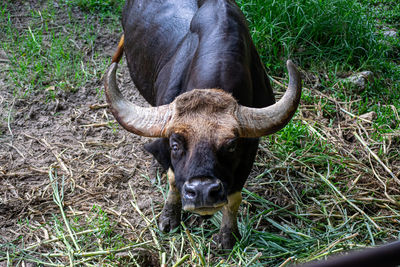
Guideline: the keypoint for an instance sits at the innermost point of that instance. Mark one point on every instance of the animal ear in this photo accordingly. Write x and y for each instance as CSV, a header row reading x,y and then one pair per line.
x,y
160,150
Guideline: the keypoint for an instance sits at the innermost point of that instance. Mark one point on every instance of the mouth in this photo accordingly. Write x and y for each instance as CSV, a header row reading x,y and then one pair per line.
x,y
205,210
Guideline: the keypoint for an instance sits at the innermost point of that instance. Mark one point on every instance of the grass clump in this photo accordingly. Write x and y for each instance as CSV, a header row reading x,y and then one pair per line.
x,y
386,12
98,6
47,55
312,31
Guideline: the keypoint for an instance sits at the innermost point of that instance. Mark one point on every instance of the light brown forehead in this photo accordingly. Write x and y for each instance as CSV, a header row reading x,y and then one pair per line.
x,y
210,129
205,115
208,101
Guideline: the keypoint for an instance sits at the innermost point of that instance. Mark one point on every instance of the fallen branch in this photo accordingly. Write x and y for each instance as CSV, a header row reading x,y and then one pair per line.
x,y
98,106
100,124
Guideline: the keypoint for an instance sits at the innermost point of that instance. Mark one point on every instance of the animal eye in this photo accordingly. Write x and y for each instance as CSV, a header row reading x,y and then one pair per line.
x,y
174,146
231,149
177,145
231,146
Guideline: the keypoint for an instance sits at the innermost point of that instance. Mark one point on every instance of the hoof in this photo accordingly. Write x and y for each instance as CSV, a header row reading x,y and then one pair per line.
x,y
226,239
170,218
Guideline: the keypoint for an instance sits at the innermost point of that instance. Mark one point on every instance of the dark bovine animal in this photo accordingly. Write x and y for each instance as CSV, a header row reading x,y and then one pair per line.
x,y
195,63
385,256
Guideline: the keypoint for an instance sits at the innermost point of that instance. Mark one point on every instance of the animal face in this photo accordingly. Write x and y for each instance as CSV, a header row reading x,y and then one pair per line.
x,y
204,149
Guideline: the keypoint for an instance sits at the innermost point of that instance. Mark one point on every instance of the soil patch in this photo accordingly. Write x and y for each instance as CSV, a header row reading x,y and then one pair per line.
x,y
76,135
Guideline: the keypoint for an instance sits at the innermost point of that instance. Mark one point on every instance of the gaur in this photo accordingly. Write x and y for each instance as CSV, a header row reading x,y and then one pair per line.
x,y
195,63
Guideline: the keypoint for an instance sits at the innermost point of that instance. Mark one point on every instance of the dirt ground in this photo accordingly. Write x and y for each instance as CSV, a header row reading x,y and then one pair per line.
x,y
77,136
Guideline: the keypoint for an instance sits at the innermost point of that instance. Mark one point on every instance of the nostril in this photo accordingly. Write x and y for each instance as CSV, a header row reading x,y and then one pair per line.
x,y
190,192
214,190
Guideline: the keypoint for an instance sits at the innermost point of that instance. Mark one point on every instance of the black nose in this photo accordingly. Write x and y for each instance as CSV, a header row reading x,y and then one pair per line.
x,y
212,191
203,192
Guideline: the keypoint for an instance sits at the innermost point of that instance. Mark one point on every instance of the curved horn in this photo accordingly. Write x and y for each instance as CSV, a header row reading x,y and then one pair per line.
x,y
257,122
148,122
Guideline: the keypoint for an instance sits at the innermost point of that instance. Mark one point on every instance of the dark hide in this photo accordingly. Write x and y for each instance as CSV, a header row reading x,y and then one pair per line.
x,y
161,152
175,46
385,256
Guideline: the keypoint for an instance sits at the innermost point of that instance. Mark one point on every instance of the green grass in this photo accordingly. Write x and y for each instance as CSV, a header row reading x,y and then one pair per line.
x,y
317,189
315,33
102,8
387,13
48,55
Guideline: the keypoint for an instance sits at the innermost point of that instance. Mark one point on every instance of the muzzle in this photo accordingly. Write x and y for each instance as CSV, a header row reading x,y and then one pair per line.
x,y
203,195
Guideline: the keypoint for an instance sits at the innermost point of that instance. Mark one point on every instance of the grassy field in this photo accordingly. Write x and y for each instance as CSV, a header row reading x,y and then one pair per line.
x,y
326,183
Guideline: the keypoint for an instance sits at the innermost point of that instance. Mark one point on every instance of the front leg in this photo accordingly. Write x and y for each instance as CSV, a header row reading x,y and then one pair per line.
x,y
171,213
229,232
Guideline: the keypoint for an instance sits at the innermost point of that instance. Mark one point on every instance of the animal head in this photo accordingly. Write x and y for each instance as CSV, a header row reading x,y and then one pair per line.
x,y
205,129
